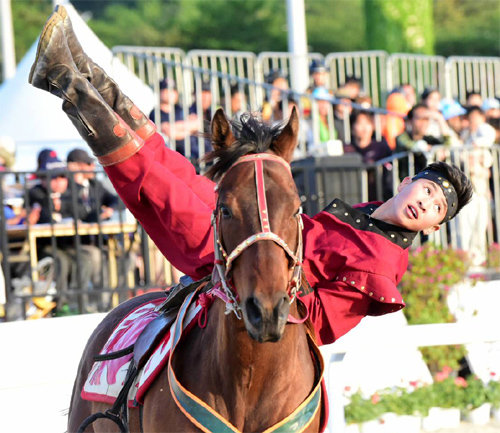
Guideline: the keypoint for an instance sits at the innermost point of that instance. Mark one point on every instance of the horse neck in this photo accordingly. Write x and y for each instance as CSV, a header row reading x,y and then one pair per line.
x,y
236,354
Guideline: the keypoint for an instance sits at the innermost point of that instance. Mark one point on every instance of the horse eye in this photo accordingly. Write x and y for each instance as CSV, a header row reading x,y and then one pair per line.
x,y
225,212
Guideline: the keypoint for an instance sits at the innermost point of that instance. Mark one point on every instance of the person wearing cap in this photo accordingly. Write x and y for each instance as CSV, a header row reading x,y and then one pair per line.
x,y
319,75
172,122
99,205
98,201
50,202
453,113
203,98
354,257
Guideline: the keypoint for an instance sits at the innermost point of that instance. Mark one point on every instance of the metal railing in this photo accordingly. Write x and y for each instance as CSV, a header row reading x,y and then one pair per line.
x,y
465,74
418,70
378,71
368,66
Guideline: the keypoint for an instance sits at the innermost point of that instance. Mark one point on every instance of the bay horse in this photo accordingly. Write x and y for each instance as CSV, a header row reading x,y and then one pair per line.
x,y
254,368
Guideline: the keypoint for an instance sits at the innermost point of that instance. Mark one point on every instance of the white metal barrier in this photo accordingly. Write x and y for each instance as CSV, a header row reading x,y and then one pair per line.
x,y
465,74
368,66
418,70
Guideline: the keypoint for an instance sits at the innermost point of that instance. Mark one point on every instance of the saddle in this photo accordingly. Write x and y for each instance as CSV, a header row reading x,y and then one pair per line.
x,y
144,347
156,329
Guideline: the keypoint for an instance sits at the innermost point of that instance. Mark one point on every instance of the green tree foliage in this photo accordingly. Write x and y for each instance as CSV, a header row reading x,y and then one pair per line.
x,y
461,27
400,26
28,19
467,27
335,25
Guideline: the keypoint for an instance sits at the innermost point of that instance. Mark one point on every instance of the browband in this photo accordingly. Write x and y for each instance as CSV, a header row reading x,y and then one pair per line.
x,y
449,191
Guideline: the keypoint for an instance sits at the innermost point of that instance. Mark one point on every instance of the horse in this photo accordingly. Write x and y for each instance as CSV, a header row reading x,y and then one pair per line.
x,y
254,369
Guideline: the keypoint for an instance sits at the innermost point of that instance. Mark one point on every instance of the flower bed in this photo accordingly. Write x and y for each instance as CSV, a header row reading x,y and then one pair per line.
x,y
437,405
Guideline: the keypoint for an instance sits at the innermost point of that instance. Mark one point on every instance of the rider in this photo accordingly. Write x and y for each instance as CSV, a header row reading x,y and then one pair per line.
x,y
354,257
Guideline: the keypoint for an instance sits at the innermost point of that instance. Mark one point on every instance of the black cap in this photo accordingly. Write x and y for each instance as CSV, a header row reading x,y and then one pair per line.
x,y
79,155
168,83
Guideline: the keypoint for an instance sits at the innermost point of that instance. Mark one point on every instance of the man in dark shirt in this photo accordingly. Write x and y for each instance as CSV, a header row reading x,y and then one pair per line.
x,y
172,123
53,200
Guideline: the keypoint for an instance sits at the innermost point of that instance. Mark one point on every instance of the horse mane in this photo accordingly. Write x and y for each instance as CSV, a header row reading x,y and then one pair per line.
x,y
251,135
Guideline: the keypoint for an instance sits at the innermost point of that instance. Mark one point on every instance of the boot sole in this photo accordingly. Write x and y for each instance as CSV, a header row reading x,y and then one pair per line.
x,y
44,41
61,10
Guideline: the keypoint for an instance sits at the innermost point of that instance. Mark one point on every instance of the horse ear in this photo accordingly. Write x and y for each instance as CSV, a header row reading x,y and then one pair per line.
x,y
286,142
222,135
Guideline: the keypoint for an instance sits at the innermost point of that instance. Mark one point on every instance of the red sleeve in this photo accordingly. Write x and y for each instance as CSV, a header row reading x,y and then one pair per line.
x,y
334,310
172,203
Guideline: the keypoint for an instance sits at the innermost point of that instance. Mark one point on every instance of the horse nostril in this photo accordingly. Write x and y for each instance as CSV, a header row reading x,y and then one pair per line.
x,y
282,308
254,312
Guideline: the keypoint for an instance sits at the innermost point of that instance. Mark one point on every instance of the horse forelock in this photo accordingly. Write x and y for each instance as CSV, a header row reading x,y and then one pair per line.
x,y
251,135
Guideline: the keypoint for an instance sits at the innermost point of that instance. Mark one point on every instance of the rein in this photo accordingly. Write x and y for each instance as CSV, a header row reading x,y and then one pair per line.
x,y
224,261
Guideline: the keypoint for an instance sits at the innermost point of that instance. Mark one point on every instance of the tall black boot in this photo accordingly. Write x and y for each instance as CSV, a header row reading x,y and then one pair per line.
x,y
104,84
109,137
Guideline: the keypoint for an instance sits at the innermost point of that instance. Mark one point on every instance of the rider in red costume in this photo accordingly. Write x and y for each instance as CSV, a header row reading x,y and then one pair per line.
x,y
354,257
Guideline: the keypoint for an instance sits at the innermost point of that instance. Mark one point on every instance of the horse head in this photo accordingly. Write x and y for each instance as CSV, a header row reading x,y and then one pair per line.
x,y
257,219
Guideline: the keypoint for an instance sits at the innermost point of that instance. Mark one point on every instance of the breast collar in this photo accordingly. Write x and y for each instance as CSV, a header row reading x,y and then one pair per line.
x,y
360,219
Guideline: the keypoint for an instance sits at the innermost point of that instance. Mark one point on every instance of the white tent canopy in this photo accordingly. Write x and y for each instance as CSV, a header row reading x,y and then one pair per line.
x,y
34,118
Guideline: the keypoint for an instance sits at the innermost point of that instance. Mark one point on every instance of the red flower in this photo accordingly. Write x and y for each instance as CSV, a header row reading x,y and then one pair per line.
x,y
347,388
375,398
460,381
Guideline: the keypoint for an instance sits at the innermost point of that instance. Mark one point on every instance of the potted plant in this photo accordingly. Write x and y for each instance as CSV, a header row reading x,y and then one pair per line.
x,y
476,403
493,397
401,413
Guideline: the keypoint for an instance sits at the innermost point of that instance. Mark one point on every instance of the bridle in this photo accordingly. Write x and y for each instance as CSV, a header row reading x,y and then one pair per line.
x,y
224,261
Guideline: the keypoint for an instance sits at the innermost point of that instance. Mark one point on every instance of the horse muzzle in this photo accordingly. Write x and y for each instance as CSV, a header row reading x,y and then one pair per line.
x,y
265,321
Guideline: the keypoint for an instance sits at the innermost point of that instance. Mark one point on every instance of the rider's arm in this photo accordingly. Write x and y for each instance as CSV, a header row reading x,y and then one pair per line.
x,y
172,203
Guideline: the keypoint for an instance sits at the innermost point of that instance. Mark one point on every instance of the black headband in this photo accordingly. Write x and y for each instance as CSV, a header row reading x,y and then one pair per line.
x,y
448,190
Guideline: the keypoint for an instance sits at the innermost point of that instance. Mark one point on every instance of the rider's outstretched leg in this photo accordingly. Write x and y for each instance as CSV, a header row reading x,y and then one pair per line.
x,y
104,84
110,138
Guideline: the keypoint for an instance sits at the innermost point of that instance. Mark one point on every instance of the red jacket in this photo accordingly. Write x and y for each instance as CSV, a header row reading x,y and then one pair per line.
x,y
352,262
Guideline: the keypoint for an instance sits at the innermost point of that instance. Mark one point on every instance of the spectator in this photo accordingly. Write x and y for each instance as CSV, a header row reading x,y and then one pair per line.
x,y
318,73
352,87
473,99
394,125
177,128
437,125
415,139
52,202
271,109
491,108
478,132
324,127
99,205
238,101
365,101
341,113
408,91
453,113
205,102
364,142
474,222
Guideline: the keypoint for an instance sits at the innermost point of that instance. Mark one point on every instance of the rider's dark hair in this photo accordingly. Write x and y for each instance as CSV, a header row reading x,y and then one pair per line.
x,y
457,178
